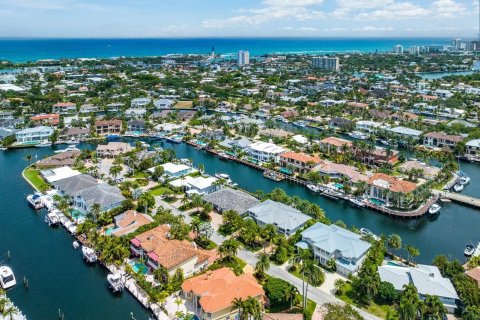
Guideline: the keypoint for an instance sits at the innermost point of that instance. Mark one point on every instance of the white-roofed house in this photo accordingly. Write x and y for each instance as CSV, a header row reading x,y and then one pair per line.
x,y
333,242
473,147
196,185
286,219
427,279
174,170
265,151
56,174
34,135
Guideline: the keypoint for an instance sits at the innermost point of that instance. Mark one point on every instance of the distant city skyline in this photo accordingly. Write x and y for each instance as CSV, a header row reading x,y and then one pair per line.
x,y
220,18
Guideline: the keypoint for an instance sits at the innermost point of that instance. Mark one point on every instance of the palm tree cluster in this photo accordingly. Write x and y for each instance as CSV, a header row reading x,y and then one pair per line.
x,y
7,309
248,309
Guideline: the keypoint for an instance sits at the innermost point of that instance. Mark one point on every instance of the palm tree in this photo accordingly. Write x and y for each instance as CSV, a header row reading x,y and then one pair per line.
x,y
95,211
434,308
238,304
29,158
252,309
394,242
9,312
412,252
228,249
290,294
114,171
195,227
300,257
262,265
314,275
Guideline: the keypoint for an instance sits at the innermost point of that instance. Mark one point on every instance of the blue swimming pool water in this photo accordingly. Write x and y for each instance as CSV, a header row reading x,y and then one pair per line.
x,y
377,202
138,267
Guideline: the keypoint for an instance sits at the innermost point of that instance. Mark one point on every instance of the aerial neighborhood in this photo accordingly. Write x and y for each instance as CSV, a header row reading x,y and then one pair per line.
x,y
243,188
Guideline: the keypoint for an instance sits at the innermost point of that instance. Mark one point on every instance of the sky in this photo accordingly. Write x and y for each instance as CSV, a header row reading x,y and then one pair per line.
x,y
247,18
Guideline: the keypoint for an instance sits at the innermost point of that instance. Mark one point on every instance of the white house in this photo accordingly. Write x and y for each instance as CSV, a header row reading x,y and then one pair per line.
x,y
473,147
369,126
265,151
139,102
427,279
335,243
196,185
163,103
34,135
175,170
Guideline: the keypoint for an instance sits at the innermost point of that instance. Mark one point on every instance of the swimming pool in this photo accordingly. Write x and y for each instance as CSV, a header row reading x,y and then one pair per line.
x,y
110,230
377,202
77,214
138,267
338,185
396,264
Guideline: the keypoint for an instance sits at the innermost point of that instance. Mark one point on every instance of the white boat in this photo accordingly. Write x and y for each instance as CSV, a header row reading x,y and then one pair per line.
x,y
469,250
300,123
435,208
43,144
76,245
358,135
223,156
223,176
68,149
366,232
314,188
115,282
359,202
458,187
3,149
330,193
35,200
52,218
7,278
72,229
89,254
464,180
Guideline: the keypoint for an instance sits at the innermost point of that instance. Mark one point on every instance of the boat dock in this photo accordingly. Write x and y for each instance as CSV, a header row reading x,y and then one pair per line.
x,y
403,214
459,198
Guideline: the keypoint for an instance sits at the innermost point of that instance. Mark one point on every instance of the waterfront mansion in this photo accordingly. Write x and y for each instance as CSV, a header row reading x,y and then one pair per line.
x,y
330,242
386,189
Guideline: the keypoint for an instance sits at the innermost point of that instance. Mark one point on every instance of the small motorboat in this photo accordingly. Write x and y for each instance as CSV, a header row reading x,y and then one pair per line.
x,y
458,187
330,193
469,250
300,123
312,187
464,180
70,148
223,156
115,282
3,149
358,135
43,144
223,176
435,208
358,202
52,219
366,232
76,245
7,278
89,254
272,175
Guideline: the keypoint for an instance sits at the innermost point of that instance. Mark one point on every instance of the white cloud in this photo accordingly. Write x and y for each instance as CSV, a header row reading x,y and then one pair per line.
x,y
448,8
299,10
399,10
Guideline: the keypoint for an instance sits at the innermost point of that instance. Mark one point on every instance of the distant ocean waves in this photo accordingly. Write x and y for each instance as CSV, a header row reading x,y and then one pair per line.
x,y
22,50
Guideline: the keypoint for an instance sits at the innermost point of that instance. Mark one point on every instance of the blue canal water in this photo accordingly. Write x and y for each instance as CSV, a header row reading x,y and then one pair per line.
x,y
22,50
57,276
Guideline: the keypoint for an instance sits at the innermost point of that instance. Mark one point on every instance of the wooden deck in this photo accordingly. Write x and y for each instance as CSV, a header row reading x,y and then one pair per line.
x,y
459,198
404,214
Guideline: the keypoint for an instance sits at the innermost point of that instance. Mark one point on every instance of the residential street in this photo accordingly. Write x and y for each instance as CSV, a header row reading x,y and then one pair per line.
x,y
314,293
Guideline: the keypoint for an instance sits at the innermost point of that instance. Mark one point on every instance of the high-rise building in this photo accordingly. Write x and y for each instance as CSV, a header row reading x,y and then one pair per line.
x,y
326,63
243,58
398,49
414,50
457,43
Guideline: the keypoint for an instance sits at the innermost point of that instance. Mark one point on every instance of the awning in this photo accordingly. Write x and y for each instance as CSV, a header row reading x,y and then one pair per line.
x,y
136,242
153,256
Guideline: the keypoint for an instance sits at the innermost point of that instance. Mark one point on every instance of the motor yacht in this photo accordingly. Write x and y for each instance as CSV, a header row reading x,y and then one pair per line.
x,y
458,187
44,144
358,202
35,200
358,135
89,254
115,282
7,278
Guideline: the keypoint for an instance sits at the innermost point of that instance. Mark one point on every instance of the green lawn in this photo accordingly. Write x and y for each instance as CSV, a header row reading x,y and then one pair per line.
x,y
34,177
374,308
159,191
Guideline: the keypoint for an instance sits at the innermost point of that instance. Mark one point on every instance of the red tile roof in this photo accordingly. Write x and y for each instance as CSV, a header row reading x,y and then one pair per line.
x,y
393,184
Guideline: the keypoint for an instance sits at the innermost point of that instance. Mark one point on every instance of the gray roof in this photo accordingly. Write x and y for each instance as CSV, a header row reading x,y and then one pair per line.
x,y
276,213
74,184
406,131
333,238
231,199
427,280
103,194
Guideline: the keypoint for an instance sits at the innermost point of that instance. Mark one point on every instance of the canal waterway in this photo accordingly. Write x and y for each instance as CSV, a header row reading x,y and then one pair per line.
x,y
446,233
57,276
58,279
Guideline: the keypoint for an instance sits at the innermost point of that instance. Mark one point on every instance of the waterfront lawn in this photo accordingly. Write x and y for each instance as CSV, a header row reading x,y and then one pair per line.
x,y
32,175
380,310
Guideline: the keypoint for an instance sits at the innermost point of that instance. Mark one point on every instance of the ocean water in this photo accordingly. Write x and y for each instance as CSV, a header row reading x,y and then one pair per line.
x,y
23,50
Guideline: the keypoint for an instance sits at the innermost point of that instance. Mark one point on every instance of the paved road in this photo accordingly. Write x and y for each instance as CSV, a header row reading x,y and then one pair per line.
x,y
314,293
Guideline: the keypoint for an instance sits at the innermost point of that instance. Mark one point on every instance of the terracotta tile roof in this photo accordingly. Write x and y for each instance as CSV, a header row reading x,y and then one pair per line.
x,y
108,123
300,156
130,221
393,184
357,104
64,104
336,141
217,289
443,136
168,252
474,274
54,118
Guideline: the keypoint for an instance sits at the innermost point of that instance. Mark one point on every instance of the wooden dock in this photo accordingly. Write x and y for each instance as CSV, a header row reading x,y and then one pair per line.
x,y
459,198
403,214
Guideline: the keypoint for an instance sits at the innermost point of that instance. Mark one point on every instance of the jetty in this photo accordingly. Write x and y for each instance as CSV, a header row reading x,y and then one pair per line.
x,y
459,198
403,214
